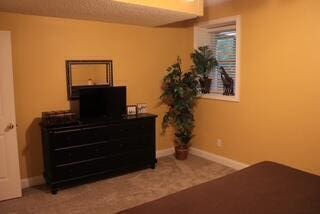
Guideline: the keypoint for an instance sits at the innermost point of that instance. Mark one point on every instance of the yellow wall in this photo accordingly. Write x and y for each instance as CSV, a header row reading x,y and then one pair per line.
x,y
42,44
278,117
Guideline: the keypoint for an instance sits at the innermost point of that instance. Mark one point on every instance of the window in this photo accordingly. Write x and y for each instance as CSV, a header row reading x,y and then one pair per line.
x,y
222,37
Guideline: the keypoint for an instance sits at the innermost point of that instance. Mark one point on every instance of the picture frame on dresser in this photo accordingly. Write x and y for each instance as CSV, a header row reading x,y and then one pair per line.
x,y
131,110
141,108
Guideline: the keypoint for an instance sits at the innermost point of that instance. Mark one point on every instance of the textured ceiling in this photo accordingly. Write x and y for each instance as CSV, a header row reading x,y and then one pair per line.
x,y
98,10
214,2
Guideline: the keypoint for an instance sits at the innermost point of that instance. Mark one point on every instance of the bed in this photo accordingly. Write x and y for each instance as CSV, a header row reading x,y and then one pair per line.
x,y
263,188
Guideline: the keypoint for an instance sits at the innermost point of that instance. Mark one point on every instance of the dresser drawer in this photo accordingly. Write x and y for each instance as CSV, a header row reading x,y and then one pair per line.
x,y
74,137
103,164
132,128
103,148
121,130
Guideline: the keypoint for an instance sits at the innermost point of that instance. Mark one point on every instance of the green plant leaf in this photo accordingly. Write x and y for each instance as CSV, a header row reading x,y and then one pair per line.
x,y
180,95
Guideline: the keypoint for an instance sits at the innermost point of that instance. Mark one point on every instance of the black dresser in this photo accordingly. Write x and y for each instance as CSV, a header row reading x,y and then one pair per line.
x,y
96,149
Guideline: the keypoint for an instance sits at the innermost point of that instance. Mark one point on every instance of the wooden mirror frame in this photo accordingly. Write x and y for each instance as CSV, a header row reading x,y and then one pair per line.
x,y
73,91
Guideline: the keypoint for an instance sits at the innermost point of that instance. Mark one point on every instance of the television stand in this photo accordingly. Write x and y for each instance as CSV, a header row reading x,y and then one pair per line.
x,y
92,150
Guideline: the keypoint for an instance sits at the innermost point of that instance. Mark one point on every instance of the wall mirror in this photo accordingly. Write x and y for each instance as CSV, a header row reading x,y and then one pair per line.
x,y
87,74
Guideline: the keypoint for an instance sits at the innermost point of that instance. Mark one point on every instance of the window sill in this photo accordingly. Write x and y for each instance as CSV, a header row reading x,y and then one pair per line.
x,y
220,97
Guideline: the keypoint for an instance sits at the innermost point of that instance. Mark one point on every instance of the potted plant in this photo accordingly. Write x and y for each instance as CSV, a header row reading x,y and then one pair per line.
x,y
204,62
180,94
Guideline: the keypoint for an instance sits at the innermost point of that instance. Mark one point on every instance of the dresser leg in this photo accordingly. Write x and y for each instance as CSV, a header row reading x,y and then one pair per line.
x,y
153,166
54,191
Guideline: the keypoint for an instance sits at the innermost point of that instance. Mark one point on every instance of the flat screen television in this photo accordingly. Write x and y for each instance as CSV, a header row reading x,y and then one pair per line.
x,y
103,102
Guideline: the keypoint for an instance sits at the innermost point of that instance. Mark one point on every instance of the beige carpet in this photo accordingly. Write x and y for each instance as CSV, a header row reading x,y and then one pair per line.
x,y
115,194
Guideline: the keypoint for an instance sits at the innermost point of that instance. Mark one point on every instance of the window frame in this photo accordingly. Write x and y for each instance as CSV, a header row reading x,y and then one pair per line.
x,y
201,38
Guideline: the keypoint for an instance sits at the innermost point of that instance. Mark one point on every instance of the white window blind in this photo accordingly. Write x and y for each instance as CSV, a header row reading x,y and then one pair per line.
x,y
222,41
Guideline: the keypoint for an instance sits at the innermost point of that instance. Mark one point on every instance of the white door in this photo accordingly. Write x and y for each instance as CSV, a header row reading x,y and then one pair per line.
x,y
10,184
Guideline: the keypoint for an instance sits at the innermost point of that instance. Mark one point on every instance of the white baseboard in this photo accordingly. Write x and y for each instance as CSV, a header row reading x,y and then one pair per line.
x,y
33,181
207,155
164,152
219,159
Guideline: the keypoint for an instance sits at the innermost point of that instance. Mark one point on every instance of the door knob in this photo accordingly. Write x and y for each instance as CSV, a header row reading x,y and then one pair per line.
x,y
9,127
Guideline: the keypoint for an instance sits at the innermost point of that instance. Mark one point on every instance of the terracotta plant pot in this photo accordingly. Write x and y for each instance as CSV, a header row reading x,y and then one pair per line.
x,y
205,84
181,152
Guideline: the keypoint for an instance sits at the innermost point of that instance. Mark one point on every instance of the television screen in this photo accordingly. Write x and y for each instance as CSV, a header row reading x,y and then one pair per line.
x,y
108,102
